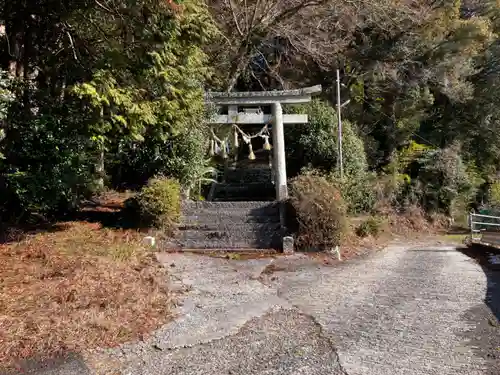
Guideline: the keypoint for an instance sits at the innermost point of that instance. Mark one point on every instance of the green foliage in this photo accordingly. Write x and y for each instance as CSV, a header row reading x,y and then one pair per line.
x,y
388,189
436,179
319,210
158,203
315,143
109,91
370,227
47,168
448,185
163,100
494,194
6,97
409,155
358,192
398,186
187,161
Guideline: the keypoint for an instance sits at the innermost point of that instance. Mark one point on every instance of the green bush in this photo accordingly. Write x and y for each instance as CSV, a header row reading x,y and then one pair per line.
x,y
370,227
436,179
183,157
46,170
158,203
449,185
315,143
358,192
494,194
397,188
188,162
319,210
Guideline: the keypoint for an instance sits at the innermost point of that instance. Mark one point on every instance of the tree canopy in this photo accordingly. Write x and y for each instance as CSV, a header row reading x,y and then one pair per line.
x,y
110,92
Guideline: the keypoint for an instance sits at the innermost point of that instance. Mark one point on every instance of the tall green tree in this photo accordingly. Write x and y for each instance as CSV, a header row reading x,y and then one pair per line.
x,y
94,79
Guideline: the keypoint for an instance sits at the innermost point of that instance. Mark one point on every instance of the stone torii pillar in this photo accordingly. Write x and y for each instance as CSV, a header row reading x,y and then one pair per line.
x,y
279,156
233,100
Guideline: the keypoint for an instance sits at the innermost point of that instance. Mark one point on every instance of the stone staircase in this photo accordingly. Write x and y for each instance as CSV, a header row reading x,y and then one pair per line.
x,y
230,225
242,215
253,184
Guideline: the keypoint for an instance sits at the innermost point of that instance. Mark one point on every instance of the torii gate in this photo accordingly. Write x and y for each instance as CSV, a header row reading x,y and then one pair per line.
x,y
237,101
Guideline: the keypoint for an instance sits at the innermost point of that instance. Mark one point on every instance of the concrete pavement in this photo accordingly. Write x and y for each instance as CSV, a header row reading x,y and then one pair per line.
x,y
410,310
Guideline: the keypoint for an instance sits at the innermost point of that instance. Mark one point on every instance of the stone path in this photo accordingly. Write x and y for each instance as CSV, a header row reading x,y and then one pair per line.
x,y
405,310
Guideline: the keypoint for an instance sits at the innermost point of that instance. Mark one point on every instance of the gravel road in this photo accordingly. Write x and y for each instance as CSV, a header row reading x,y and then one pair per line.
x,y
410,310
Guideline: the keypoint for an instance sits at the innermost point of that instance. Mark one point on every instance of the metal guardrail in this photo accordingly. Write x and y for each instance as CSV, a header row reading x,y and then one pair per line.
x,y
485,229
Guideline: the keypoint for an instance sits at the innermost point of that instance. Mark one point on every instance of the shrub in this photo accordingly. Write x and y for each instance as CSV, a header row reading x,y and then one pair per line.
x,y
397,187
319,210
188,162
440,221
47,170
183,157
409,220
494,194
158,203
449,184
370,227
358,192
437,180
315,143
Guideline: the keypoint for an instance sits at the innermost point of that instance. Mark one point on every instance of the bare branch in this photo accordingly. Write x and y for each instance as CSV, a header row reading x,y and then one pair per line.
x,y
290,12
236,23
72,45
247,26
318,31
254,16
103,7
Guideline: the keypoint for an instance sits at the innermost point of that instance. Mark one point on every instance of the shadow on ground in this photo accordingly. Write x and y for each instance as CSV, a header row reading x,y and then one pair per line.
x,y
70,364
15,233
481,254
107,215
432,251
484,320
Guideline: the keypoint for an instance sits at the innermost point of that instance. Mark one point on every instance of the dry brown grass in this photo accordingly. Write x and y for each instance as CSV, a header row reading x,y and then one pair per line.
x,y
77,288
412,220
411,224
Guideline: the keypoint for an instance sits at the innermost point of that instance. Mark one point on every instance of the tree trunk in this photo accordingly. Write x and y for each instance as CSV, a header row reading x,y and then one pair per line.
x,y
15,37
100,169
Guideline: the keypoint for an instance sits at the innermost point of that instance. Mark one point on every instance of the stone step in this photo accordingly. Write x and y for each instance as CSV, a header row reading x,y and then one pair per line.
x,y
238,186
229,218
264,198
230,245
230,209
194,239
244,192
223,234
227,205
230,225
249,175
231,212
233,227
